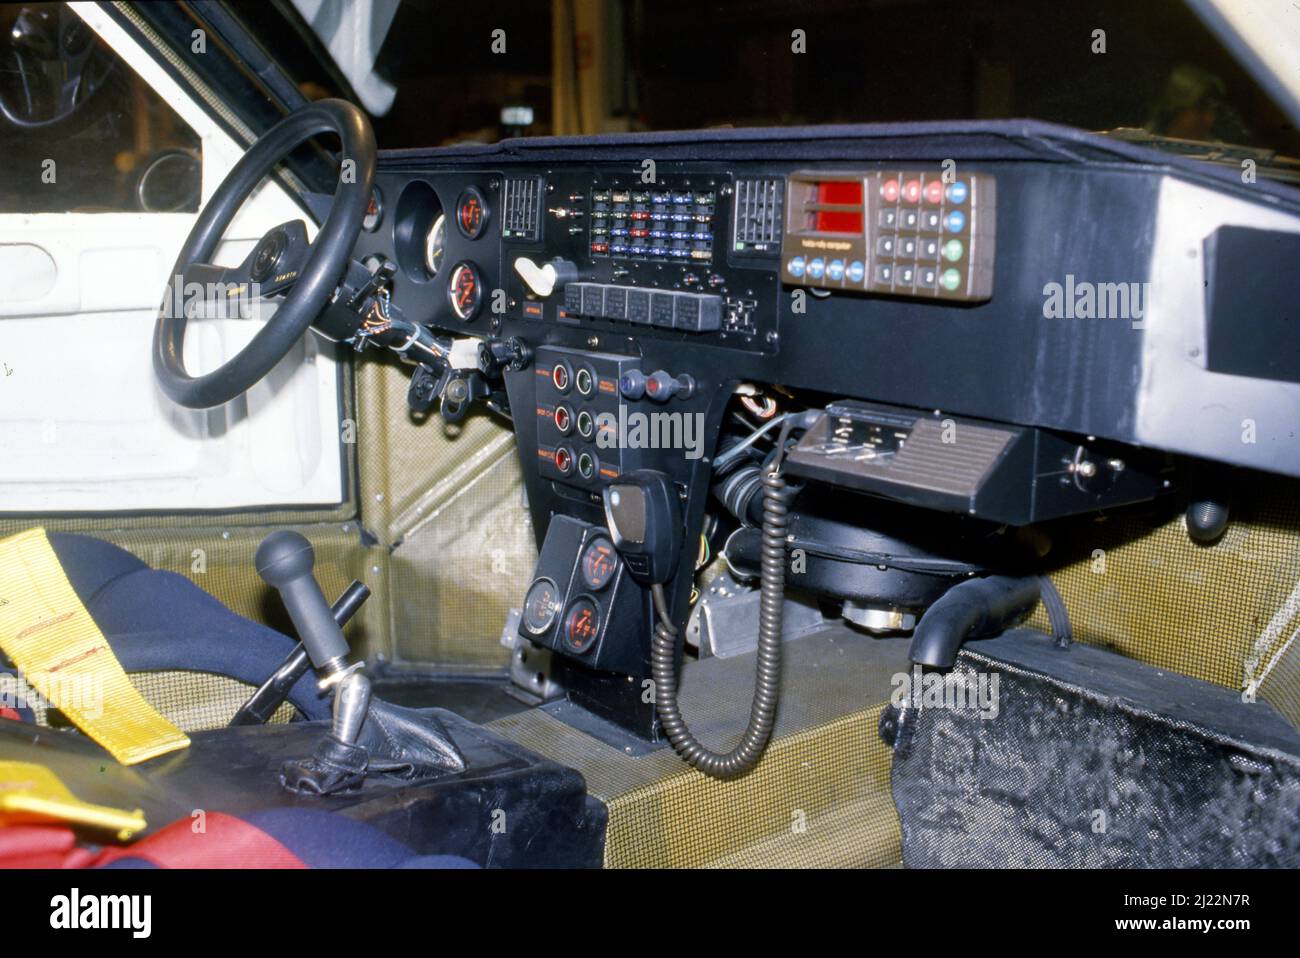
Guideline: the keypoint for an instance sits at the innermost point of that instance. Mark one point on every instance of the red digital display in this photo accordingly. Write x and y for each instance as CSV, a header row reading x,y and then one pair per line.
x,y
846,193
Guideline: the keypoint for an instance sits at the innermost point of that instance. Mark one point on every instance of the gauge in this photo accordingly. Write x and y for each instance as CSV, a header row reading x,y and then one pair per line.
x,y
598,563
581,624
541,606
434,244
374,211
471,213
465,290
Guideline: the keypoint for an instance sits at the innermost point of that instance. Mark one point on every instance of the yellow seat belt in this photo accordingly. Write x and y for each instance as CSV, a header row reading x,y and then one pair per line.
x,y
32,793
51,638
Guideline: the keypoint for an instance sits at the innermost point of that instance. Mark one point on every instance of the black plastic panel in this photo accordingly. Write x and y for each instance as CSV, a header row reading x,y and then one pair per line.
x,y
1252,306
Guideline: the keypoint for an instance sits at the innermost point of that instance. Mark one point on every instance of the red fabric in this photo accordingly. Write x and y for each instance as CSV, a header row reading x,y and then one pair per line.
x,y
226,842
41,846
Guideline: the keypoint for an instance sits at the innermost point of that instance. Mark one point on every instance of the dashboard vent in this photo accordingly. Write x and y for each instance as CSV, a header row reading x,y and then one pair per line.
x,y
522,204
758,224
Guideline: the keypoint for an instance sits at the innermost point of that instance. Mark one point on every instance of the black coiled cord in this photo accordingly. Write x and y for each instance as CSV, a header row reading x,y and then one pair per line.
x,y
767,680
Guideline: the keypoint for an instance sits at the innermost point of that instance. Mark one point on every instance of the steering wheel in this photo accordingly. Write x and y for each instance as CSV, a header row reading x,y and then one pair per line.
x,y
52,68
282,262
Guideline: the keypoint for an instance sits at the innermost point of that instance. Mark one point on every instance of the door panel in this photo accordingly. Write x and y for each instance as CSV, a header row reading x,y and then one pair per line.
x,y
86,429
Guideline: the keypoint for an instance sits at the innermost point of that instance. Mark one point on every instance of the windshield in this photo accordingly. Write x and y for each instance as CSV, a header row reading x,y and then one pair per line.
x,y
478,72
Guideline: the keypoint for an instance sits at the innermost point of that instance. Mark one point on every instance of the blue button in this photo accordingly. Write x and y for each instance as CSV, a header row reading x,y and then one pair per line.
x,y
957,192
795,266
856,271
817,268
836,270
955,221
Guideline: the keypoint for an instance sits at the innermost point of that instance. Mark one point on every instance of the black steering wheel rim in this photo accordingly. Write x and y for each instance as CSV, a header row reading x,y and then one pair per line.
x,y
316,280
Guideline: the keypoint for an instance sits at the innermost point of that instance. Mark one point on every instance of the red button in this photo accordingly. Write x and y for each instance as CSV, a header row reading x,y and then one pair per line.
x,y
560,376
889,190
912,191
563,460
934,191
562,419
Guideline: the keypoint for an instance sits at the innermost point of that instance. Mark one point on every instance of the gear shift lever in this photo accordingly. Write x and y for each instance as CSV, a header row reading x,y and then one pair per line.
x,y
285,560
368,735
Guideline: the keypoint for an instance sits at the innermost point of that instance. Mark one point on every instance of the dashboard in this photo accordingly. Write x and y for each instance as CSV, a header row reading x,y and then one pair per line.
x,y
1067,303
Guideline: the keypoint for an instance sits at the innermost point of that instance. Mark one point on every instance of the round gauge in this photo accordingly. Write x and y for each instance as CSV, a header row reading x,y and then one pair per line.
x,y
541,606
598,563
471,213
465,290
581,624
374,211
435,242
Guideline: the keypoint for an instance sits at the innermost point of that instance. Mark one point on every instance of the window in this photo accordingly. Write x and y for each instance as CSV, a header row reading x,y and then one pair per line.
x,y
79,130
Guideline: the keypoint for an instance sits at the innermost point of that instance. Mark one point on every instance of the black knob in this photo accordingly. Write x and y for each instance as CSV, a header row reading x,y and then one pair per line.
x,y
283,556
285,560
1207,520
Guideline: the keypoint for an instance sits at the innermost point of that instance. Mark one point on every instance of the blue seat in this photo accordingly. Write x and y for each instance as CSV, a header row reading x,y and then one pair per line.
x,y
161,621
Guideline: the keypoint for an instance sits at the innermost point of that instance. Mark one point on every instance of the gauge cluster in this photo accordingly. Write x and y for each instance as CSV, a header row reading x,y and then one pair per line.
x,y
581,598
440,232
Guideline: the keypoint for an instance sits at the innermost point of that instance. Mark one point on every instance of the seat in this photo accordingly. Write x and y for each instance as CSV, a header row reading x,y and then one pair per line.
x,y
158,621
270,838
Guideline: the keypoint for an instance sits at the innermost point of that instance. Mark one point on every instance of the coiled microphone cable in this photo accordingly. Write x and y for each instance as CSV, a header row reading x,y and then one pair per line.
x,y
771,608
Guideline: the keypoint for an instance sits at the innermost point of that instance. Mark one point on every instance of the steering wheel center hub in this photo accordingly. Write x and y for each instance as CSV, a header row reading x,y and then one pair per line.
x,y
267,255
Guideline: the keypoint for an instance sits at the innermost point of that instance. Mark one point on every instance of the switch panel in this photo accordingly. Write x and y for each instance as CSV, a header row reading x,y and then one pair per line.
x,y
897,232
578,412
659,224
666,309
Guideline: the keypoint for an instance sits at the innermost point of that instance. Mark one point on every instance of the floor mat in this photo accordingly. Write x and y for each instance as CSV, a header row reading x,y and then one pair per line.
x,y
819,797
1092,760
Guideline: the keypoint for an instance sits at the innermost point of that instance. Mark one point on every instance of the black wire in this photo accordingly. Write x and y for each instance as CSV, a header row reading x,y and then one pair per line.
x,y
767,680
1057,613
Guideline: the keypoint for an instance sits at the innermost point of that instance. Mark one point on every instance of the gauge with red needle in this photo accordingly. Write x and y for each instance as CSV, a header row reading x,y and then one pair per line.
x,y
581,624
471,213
465,290
599,562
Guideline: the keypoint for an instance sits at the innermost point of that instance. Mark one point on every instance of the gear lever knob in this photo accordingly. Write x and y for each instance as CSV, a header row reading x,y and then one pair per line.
x,y
285,560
